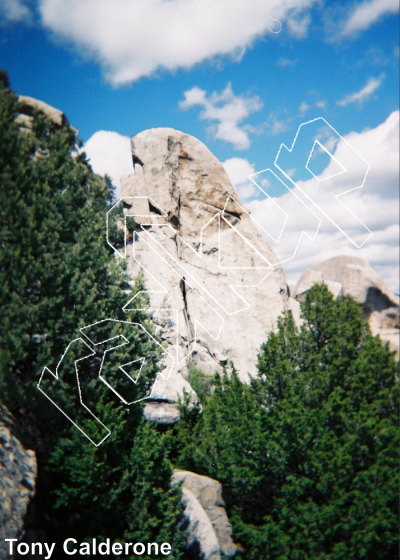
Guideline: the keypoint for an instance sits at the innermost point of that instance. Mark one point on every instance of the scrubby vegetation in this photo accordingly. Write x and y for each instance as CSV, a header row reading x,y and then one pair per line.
x,y
308,453
57,274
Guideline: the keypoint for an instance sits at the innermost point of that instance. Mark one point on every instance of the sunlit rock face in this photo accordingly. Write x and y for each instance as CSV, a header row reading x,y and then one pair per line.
x,y
207,522
354,277
206,267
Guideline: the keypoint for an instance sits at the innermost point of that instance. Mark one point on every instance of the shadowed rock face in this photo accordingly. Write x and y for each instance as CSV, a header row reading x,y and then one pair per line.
x,y
17,483
193,218
354,277
208,524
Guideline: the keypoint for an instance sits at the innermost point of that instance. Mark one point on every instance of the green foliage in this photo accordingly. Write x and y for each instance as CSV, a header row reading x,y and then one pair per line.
x,y
119,491
308,453
4,78
201,383
57,274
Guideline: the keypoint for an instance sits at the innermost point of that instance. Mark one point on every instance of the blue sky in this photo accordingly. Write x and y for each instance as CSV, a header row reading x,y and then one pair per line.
x,y
232,76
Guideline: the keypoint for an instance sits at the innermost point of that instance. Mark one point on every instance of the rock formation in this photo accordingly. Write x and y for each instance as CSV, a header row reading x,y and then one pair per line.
x,y
213,295
353,276
17,482
206,268
208,524
27,106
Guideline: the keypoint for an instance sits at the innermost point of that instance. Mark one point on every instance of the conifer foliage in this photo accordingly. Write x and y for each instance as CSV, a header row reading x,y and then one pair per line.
x,y
308,454
57,274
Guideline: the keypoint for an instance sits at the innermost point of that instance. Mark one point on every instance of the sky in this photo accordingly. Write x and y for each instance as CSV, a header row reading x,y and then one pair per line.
x,y
244,77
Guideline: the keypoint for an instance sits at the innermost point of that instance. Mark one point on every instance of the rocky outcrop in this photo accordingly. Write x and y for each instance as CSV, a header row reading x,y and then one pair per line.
x,y
17,482
353,276
202,541
206,268
27,106
161,407
208,524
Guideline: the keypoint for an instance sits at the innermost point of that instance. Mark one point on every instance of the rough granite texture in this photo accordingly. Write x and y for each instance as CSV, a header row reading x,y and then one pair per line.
x,y
209,254
27,106
203,495
17,483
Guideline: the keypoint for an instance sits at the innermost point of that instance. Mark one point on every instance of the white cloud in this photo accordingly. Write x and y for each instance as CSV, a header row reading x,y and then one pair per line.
x,y
362,16
361,96
298,25
374,56
110,153
284,62
136,38
376,205
304,107
238,170
12,11
227,110
380,252
275,126
380,147
367,13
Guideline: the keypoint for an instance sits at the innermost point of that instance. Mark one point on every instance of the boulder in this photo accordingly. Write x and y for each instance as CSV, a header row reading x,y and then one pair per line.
x,y
161,412
27,106
206,268
171,389
18,471
208,495
24,121
354,277
202,541
161,406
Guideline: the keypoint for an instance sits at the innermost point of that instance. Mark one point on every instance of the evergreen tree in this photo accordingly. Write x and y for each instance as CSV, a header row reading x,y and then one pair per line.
x,y
57,274
120,491
308,454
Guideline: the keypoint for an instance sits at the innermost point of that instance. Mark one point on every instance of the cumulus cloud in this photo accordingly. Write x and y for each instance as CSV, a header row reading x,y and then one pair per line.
x,y
361,16
13,11
226,110
136,38
380,147
363,94
110,153
376,205
239,170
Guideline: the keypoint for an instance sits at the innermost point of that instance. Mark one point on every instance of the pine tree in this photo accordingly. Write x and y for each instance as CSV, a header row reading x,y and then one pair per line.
x,y
308,454
57,274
